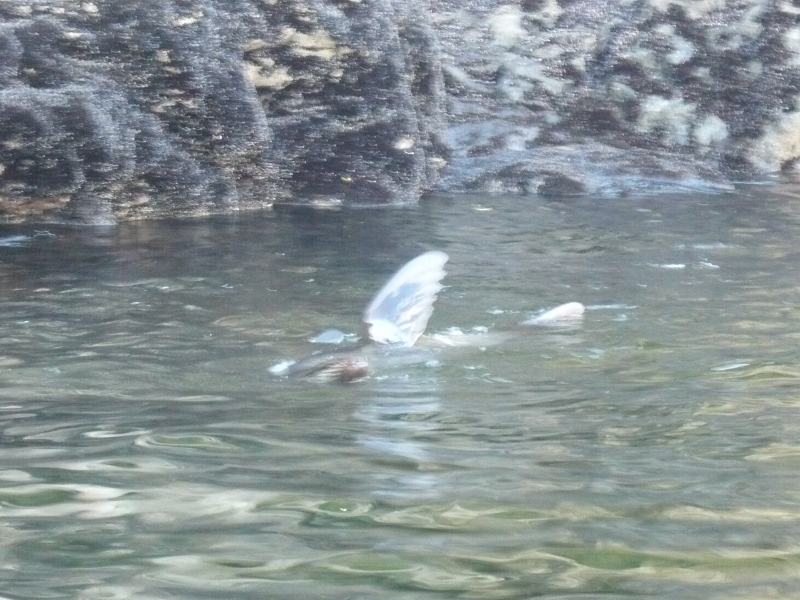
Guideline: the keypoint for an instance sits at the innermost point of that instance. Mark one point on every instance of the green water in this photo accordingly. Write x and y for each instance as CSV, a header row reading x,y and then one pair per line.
x,y
147,452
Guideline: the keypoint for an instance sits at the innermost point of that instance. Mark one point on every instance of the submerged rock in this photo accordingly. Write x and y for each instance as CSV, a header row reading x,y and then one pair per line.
x,y
112,109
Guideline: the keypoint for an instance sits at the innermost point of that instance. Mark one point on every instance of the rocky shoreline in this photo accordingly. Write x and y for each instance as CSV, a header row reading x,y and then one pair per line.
x,y
114,110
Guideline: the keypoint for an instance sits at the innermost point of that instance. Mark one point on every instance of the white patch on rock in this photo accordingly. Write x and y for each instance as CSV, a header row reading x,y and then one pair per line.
x,y
506,25
188,20
276,79
755,67
318,44
641,56
779,144
732,36
710,131
694,9
470,135
549,52
551,117
578,63
519,140
703,74
548,14
672,114
789,8
750,24
619,91
682,49
461,77
682,52
254,44
791,40
404,142
523,74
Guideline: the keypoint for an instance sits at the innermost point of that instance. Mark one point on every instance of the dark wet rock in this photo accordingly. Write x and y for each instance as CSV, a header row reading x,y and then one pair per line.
x,y
126,109
119,109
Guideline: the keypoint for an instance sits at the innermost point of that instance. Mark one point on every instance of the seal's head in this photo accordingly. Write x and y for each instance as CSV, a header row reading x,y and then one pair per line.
x,y
345,368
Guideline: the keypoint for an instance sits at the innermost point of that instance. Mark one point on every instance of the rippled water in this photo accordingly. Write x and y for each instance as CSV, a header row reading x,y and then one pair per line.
x,y
147,452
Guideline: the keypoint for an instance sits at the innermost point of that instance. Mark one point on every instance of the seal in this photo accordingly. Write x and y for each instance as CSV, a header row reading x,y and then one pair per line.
x,y
397,317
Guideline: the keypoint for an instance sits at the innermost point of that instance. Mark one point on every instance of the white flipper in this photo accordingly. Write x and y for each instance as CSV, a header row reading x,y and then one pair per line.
x,y
400,311
570,312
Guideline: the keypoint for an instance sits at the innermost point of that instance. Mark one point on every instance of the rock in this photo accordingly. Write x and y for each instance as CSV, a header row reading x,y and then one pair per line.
x,y
580,169
583,96
126,109
123,109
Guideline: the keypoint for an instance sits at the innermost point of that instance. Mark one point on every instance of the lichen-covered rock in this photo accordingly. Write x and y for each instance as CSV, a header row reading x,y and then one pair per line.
x,y
693,91
113,109
581,169
118,109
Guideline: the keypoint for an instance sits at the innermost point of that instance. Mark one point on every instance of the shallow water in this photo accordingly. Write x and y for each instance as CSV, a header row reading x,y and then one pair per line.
x,y
653,450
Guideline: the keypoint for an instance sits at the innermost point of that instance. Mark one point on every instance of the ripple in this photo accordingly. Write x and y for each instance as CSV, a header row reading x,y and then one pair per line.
x,y
58,499
146,451
459,517
731,407
185,441
711,566
108,433
10,361
255,325
737,515
367,563
775,451
15,475
201,398
143,465
731,366
771,372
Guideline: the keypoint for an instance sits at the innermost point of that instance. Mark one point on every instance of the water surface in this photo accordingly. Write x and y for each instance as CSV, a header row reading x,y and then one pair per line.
x,y
147,452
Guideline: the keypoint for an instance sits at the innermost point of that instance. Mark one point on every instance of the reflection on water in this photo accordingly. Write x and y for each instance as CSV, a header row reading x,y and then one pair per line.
x,y
397,418
651,450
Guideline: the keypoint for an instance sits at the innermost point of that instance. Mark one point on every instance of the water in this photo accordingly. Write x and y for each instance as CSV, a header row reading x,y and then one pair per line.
x,y
653,451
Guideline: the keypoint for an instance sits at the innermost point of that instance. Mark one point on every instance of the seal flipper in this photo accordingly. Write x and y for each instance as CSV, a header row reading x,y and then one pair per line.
x,y
400,311
571,312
